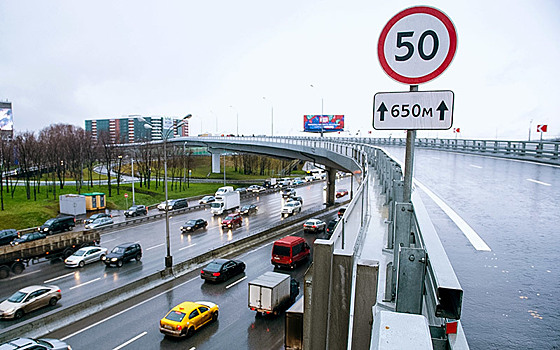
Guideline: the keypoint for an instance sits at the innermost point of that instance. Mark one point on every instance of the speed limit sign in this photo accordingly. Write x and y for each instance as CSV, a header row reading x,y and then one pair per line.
x,y
417,45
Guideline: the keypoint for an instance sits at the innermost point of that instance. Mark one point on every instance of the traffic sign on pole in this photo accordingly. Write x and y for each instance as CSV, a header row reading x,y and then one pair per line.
x,y
542,128
126,195
423,110
417,45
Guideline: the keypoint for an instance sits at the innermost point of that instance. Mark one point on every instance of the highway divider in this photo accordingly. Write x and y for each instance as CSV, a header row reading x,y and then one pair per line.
x,y
46,323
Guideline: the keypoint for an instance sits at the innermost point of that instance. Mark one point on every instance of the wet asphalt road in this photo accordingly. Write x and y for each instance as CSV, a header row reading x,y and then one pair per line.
x,y
511,293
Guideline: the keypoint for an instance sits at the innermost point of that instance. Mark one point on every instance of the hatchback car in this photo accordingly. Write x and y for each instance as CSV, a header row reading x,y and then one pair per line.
x,y
136,210
8,235
28,237
288,192
207,199
232,220
220,270
34,344
248,209
85,255
99,223
314,225
28,299
184,319
95,217
123,253
193,225
341,193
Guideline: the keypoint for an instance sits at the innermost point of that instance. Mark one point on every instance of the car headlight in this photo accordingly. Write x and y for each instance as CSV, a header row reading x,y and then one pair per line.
x,y
114,259
103,257
45,229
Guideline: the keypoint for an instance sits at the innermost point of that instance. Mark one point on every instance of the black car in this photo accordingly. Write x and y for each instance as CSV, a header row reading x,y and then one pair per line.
x,y
177,204
297,198
331,226
8,235
288,192
123,253
193,225
222,269
59,224
136,210
95,217
341,211
248,209
241,190
28,237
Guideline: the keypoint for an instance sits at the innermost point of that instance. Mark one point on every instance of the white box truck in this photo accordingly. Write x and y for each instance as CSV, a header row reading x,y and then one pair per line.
x,y
270,183
272,293
225,202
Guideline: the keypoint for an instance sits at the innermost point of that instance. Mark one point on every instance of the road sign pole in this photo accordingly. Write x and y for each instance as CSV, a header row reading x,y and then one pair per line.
x,y
409,158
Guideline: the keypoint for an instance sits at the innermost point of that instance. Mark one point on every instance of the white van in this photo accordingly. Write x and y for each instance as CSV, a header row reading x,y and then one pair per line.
x,y
220,191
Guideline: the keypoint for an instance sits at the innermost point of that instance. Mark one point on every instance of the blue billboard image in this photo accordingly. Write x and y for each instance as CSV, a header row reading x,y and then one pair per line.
x,y
324,123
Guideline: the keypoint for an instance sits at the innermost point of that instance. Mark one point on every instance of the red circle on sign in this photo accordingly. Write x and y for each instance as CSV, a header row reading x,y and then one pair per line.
x,y
446,62
126,195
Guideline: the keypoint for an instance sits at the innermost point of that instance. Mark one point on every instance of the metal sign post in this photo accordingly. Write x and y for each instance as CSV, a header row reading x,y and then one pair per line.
x,y
409,159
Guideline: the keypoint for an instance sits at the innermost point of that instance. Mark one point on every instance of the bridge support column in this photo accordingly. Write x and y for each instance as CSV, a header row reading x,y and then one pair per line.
x,y
341,291
321,286
331,179
367,272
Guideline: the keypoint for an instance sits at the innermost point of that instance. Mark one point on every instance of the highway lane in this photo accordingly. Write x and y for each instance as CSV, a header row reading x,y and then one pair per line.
x,y
237,326
510,292
81,284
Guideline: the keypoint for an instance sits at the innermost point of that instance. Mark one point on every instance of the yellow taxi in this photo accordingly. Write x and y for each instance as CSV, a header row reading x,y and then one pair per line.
x,y
185,318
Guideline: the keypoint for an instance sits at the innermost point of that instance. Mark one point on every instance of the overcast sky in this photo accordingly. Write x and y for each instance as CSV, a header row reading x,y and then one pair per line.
x,y
68,61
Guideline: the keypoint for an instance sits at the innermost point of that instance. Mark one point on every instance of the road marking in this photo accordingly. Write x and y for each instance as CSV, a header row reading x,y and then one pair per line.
x,y
477,242
131,340
192,245
88,282
25,274
476,166
254,250
234,283
539,182
159,245
59,277
125,310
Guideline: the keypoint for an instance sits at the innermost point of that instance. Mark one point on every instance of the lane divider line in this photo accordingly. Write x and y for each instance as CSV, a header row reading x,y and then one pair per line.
x,y
159,245
192,245
234,283
476,166
59,277
125,310
83,284
25,274
539,182
477,242
131,340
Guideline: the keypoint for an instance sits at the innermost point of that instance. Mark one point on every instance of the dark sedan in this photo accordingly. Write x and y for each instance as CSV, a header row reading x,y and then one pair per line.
x,y
221,270
248,209
193,225
28,237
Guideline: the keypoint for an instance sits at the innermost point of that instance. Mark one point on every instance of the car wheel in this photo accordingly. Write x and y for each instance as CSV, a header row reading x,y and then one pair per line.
x,y
53,301
81,264
18,314
215,316
138,257
190,332
119,263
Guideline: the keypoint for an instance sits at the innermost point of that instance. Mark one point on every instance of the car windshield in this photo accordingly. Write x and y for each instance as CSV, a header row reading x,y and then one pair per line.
x,y
118,250
213,267
228,218
17,297
95,216
291,204
281,250
48,222
175,316
191,222
216,205
245,207
310,223
80,252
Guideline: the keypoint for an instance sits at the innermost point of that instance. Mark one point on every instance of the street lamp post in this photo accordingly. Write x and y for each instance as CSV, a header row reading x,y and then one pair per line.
x,y
271,117
165,135
321,118
237,118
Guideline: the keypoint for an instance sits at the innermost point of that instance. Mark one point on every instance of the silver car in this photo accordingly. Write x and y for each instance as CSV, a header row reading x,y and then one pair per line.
x,y
28,299
35,344
84,256
99,223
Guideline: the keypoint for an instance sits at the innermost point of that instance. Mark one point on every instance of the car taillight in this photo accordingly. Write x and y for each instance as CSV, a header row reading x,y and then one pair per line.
x,y
58,291
314,226
201,271
216,274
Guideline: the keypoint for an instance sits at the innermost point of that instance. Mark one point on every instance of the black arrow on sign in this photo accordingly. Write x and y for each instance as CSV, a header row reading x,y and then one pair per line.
x,y
382,109
442,108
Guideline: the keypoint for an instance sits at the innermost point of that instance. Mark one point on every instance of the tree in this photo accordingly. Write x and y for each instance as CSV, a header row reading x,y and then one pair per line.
x,y
108,149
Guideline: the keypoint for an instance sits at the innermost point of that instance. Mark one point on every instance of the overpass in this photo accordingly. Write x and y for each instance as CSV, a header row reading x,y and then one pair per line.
x,y
403,277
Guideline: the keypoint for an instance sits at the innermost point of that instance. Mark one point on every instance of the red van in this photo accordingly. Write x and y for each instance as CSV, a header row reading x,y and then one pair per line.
x,y
289,251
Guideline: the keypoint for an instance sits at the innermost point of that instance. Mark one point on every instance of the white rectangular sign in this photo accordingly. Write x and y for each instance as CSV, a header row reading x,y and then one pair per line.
x,y
418,110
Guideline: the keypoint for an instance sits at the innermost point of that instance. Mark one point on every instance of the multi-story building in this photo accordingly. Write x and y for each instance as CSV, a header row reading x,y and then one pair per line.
x,y
130,129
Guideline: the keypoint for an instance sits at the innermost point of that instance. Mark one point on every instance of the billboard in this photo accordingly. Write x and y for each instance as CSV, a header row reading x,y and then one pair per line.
x,y
6,118
327,123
